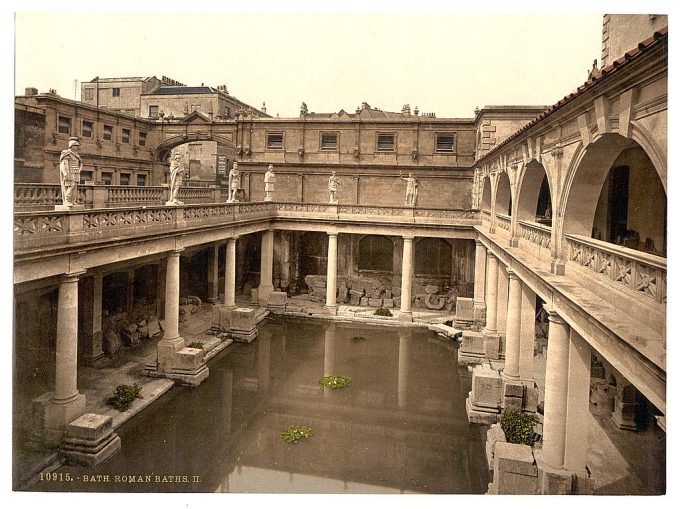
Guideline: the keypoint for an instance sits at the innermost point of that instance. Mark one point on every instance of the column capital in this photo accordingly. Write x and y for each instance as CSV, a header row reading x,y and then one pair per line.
x,y
553,316
71,277
233,239
332,234
175,252
512,274
491,255
408,238
479,243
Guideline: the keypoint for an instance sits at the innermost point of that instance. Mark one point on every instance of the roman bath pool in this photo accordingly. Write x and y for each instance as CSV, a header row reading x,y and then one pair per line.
x,y
398,427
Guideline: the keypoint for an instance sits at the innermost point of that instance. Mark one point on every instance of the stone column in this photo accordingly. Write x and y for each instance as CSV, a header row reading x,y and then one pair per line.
x,y
502,300
171,342
514,320
402,380
479,308
405,313
331,274
491,293
527,334
578,404
230,274
266,267
213,274
556,391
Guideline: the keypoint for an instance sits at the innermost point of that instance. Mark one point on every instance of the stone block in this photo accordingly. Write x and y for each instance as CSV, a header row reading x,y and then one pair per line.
x,y
221,317
278,299
512,403
363,301
143,332
90,440
90,427
112,342
515,458
343,294
355,297
531,399
513,389
396,291
397,302
375,302
243,324
493,435
254,297
431,289
464,308
189,358
388,303
486,388
480,415
492,346
388,293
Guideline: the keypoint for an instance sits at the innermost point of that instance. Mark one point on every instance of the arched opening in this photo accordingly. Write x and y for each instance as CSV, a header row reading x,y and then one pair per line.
x,y
617,196
433,257
503,195
205,163
313,249
376,253
115,294
486,194
534,201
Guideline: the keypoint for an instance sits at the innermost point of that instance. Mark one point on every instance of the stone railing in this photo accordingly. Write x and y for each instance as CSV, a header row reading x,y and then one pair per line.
x,y
486,216
535,233
129,195
41,196
503,222
639,272
199,195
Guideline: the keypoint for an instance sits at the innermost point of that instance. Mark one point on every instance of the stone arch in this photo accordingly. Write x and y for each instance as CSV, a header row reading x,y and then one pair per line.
x,y
532,180
161,152
376,253
503,194
485,203
587,175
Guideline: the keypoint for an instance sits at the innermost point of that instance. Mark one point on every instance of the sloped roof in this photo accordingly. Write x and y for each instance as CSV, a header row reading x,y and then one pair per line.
x,y
596,77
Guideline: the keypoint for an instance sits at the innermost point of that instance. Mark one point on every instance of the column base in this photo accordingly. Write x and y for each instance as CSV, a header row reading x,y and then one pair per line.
x,y
174,203
190,378
480,415
331,310
177,362
472,350
244,323
263,293
558,481
557,268
405,316
479,312
62,208
513,242
54,417
493,345
90,441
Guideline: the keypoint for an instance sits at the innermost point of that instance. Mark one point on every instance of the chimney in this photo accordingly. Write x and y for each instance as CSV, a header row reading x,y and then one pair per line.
x,y
406,109
303,109
264,107
31,91
358,110
416,111
364,106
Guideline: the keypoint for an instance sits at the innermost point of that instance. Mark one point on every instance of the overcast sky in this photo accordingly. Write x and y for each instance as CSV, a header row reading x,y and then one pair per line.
x,y
448,63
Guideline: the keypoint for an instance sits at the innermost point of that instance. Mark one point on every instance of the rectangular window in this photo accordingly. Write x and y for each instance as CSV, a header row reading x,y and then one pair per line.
x,y
142,138
107,178
386,142
85,176
115,92
125,137
108,132
227,112
445,142
124,179
88,128
88,94
64,125
329,141
141,179
274,141
153,111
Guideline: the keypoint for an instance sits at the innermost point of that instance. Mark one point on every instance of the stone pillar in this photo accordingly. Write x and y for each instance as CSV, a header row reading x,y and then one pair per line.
x,y
578,405
171,342
213,274
556,391
491,293
266,267
502,300
66,403
331,274
479,308
527,334
230,274
91,307
514,319
402,380
405,313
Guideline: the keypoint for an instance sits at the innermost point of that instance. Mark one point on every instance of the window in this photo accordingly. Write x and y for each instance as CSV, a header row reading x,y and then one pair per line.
x,y
141,179
64,125
88,94
125,137
124,179
329,141
88,127
107,178
115,92
108,132
227,112
85,176
445,142
153,111
386,142
274,141
142,138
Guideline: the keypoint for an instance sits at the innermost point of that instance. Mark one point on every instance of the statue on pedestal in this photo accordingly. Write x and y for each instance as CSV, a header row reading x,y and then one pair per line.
x,y
269,180
411,190
70,166
176,179
234,183
333,182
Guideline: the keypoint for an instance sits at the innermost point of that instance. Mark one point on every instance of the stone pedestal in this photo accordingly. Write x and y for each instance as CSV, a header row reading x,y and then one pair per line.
x,y
472,348
90,440
624,413
555,481
50,417
465,315
66,208
243,324
277,302
221,318
515,471
483,404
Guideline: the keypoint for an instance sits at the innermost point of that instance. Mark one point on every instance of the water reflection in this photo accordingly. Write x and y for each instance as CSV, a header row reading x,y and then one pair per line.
x,y
399,427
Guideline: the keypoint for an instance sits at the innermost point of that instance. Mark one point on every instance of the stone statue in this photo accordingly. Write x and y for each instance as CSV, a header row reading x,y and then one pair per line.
x,y
234,183
70,165
176,179
333,182
411,190
269,180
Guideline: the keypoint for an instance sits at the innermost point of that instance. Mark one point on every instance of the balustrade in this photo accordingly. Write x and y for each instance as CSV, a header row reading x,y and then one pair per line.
x,y
503,222
535,233
486,216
